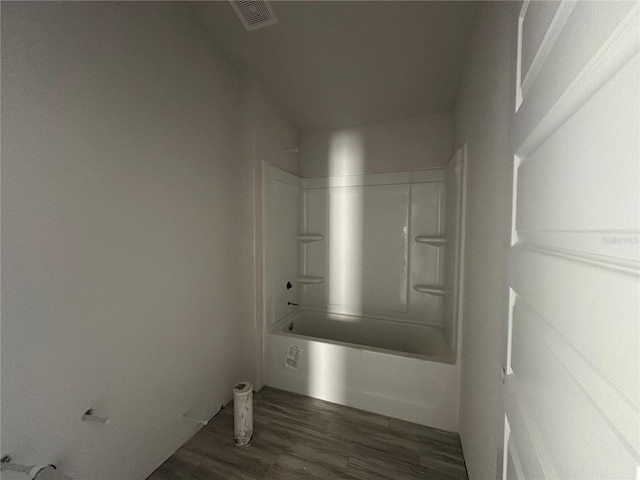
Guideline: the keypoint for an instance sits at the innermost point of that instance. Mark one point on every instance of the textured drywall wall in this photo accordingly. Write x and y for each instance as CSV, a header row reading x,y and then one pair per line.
x,y
393,146
272,138
127,234
482,119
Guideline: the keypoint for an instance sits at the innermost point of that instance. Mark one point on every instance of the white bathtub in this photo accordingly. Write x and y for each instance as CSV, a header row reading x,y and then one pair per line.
x,y
397,369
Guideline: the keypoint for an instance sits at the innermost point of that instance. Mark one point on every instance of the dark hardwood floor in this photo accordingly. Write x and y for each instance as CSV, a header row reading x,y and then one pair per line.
x,y
297,437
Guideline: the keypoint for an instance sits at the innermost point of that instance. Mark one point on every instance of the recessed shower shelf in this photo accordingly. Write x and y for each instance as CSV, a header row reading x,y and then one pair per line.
x,y
309,280
434,241
430,289
308,237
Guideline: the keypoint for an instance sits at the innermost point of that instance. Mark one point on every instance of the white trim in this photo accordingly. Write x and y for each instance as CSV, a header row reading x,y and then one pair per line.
x,y
618,265
517,161
461,251
279,175
523,12
614,53
368,179
618,245
614,407
512,303
505,446
556,25
520,413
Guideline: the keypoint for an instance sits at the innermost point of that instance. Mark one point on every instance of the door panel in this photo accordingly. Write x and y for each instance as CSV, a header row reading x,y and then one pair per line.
x,y
576,175
572,355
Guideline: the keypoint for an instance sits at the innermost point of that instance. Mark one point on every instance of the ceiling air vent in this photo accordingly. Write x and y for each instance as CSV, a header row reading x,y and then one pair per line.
x,y
254,14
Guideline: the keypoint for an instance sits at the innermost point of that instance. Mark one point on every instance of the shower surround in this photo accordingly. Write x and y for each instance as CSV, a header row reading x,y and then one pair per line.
x,y
362,280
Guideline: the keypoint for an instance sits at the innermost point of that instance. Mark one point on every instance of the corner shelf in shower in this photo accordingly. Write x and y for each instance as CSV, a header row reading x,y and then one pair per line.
x,y
308,280
308,237
433,241
430,289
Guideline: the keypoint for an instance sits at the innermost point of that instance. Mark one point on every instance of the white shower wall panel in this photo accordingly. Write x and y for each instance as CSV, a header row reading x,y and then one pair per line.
x,y
384,248
427,219
368,258
367,238
315,219
282,212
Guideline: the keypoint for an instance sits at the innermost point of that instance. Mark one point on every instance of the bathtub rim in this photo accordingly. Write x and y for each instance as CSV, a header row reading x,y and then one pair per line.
x,y
278,328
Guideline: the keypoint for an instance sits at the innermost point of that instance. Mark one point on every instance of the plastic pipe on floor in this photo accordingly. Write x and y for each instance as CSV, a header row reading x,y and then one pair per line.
x,y
243,413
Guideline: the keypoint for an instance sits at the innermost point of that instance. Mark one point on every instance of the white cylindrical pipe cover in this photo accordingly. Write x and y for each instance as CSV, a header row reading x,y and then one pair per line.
x,y
243,413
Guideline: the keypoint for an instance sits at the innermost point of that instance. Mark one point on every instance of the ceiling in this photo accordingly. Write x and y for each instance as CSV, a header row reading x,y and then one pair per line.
x,y
339,64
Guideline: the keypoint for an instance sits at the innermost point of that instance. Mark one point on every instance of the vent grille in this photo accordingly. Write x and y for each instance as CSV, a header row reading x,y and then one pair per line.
x,y
254,14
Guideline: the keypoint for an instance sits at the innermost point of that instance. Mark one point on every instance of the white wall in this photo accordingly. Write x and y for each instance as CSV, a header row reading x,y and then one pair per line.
x,y
482,120
268,135
127,234
393,146
270,132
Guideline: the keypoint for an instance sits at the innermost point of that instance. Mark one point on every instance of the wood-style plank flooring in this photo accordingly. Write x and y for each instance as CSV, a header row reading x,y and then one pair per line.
x,y
297,437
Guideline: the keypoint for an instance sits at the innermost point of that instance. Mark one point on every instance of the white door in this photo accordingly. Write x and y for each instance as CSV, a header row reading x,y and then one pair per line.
x,y
572,362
